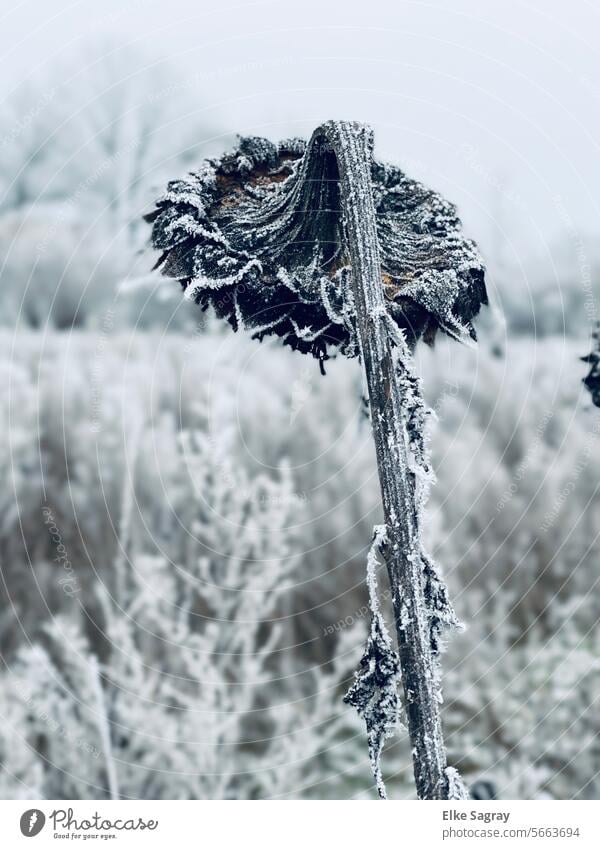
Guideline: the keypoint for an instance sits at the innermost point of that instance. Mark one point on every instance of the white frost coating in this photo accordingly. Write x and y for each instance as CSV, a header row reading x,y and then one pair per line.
x,y
440,613
380,538
374,692
201,283
457,789
307,333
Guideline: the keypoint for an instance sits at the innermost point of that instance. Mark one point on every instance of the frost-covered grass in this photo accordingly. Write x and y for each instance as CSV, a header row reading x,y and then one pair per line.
x,y
164,494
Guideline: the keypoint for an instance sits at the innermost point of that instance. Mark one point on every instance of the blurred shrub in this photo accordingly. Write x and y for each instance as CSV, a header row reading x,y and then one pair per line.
x,y
95,428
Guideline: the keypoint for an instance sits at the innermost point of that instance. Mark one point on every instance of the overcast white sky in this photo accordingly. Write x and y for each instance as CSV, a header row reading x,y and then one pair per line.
x,y
466,95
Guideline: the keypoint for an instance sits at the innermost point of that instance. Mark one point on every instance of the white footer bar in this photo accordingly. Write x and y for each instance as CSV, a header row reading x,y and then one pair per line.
x,y
300,825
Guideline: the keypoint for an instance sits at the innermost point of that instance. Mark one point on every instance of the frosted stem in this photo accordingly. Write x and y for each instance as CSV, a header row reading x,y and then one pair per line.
x,y
351,146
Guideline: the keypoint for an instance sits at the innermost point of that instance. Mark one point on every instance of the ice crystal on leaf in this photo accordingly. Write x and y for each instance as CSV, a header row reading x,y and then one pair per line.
x,y
374,692
456,787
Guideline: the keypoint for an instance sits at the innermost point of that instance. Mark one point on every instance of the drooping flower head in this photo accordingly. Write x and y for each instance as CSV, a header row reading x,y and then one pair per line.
x,y
258,235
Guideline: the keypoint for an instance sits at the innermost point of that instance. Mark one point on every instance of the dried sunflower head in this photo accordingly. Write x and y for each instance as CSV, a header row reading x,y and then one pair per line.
x,y
258,235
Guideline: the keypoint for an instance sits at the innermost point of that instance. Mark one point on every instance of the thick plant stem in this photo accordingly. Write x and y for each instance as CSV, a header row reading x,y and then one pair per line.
x,y
351,145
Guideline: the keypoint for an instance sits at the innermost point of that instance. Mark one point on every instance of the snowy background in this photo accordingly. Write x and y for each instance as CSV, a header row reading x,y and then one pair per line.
x,y
186,513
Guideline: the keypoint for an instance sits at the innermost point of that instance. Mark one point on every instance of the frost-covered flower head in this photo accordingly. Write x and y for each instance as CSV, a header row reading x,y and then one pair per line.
x,y
258,234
